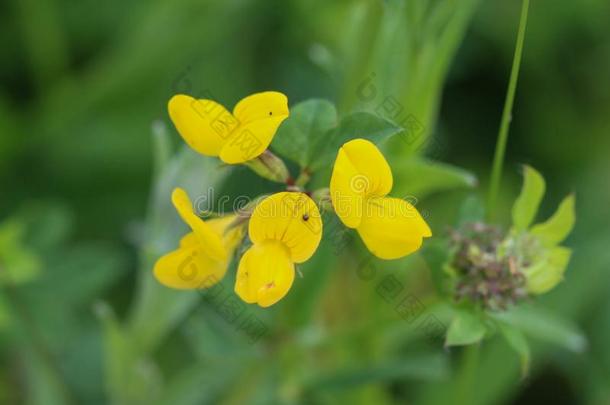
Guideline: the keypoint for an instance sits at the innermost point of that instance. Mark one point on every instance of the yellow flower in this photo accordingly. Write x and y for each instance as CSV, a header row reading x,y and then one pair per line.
x,y
211,130
203,256
285,229
390,227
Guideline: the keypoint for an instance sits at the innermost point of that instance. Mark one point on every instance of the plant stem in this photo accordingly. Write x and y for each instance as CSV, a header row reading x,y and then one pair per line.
x,y
467,373
498,162
303,178
34,339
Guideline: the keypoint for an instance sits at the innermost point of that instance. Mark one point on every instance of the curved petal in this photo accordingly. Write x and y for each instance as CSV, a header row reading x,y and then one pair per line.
x,y
230,233
261,106
265,274
291,218
188,240
203,124
189,267
347,191
370,163
250,140
259,116
392,228
208,238
360,172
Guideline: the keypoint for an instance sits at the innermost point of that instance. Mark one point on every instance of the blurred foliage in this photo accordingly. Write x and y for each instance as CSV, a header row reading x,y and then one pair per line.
x,y
85,204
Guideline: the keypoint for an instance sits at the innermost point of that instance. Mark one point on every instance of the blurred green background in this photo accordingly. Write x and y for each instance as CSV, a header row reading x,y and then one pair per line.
x,y
84,207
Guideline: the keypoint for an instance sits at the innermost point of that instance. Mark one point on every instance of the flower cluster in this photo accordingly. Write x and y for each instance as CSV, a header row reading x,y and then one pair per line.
x,y
483,275
495,269
285,228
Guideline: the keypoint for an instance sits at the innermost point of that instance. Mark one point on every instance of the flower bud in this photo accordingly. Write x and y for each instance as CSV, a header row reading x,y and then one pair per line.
x,y
269,166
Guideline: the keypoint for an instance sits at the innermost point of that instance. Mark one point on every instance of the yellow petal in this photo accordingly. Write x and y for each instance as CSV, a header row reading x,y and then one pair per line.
x,y
188,240
220,224
347,191
370,163
230,233
208,238
291,218
259,117
360,172
261,106
203,124
392,228
265,274
250,141
189,267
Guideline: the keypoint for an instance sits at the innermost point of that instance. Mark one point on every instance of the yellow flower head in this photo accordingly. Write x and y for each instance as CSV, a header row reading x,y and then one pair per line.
x,y
211,130
390,227
203,256
285,229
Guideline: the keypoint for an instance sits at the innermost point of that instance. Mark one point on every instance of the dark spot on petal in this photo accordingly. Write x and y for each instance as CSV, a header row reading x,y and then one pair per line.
x,y
305,217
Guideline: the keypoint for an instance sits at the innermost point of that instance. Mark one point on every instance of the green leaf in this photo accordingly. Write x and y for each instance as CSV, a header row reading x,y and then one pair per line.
x,y
415,367
526,205
465,328
48,224
44,383
5,316
517,341
305,297
548,272
421,177
66,284
544,326
311,136
357,125
17,260
130,377
158,309
200,383
559,226
304,132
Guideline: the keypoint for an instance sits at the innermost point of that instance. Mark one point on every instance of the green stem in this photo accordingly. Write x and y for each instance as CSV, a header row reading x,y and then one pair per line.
x,y
34,339
162,148
496,173
466,376
44,39
303,178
